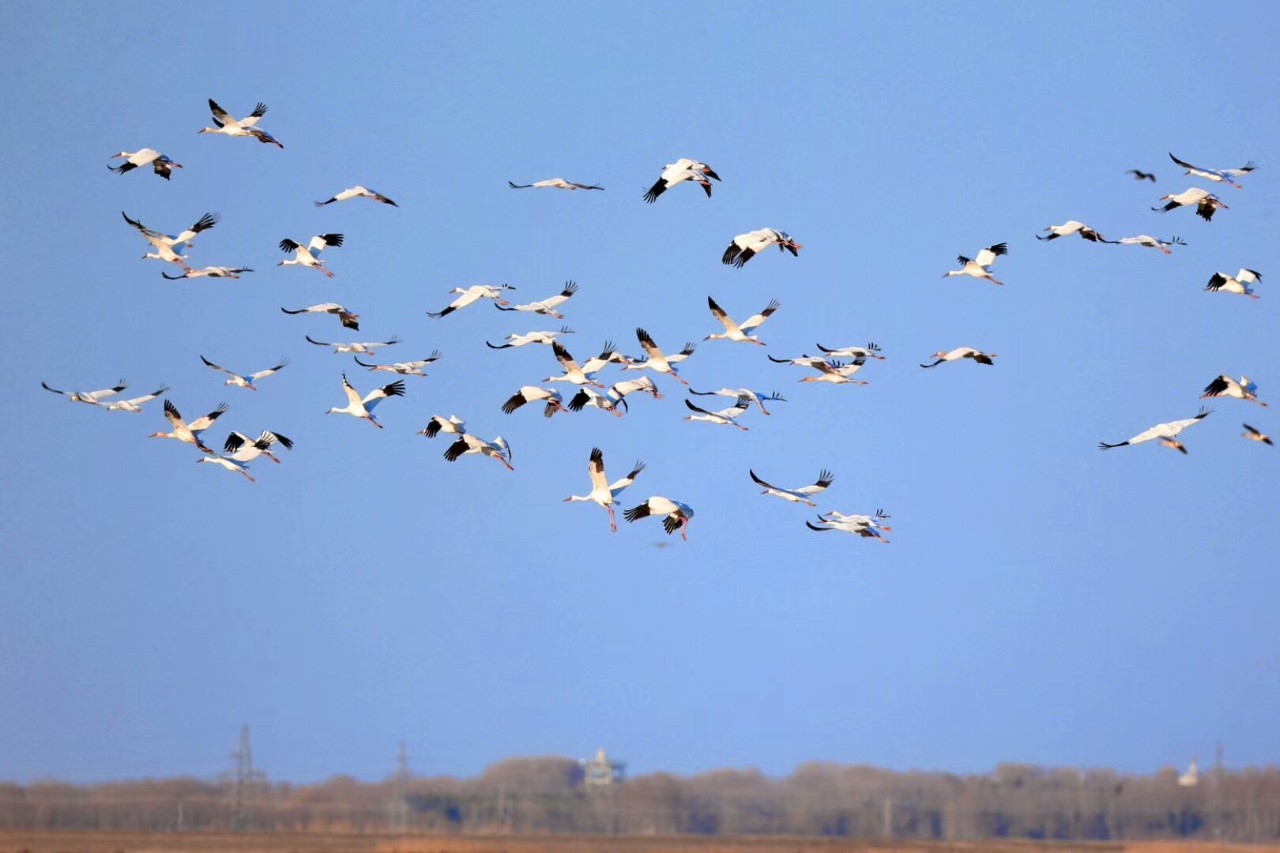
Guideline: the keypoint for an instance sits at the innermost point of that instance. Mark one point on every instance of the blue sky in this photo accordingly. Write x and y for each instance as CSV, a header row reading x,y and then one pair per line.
x,y
1040,601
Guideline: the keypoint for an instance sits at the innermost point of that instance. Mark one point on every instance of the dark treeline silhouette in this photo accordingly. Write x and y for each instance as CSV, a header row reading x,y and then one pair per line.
x,y
548,795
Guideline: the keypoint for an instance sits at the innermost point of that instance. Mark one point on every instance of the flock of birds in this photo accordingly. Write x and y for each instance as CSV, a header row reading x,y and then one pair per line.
x,y
835,365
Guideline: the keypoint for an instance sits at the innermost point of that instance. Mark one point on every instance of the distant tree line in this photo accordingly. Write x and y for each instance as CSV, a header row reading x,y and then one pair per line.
x,y
547,795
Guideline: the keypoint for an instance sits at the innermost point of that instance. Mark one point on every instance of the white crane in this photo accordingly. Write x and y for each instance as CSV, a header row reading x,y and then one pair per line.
x,y
131,405
362,407
740,332
228,125
860,525
1225,386
228,463
554,183
837,372
91,397
188,432
468,443
404,368
1221,176
602,491
546,306
573,373
979,267
723,417
961,352
160,163
681,170
452,425
309,255
1166,433
757,397
169,246
347,318
241,448
744,246
655,360
869,351
675,515
534,394
472,294
1205,202
1150,242
515,340
591,397
366,347
803,495
1238,283
247,380
1073,226
209,272
1254,434
357,192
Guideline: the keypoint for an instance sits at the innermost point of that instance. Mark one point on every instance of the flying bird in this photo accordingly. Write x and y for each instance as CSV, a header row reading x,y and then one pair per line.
x,y
1222,176
556,183
740,331
208,272
1139,175
678,172
534,394
723,417
188,432
573,372
365,347
91,397
357,192
675,514
869,351
743,247
802,495
979,267
860,525
347,318
468,443
1150,242
837,372
363,407
1225,386
1073,226
1205,202
309,255
546,306
160,163
228,463
246,381
961,352
586,396
602,491
655,359
472,294
168,247
227,125
241,448
515,340
1238,283
452,425
1166,434
1255,435
757,397
131,405
404,368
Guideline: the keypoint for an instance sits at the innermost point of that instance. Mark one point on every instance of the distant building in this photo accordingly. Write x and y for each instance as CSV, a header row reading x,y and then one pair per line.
x,y
1191,777
601,772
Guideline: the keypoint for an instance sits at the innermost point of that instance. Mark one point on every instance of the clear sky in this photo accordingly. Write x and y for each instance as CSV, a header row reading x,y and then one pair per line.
x,y
1040,601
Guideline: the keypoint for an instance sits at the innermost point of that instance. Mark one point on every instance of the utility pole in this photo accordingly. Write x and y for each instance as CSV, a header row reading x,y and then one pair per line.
x,y
888,817
244,776
400,793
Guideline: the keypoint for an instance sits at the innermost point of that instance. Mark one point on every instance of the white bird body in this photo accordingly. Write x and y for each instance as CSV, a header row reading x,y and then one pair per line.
x,y
347,318
604,493
1254,434
676,515
1205,202
91,397
246,381
546,306
678,172
471,294
1151,242
837,372
655,359
228,463
554,183
403,368
516,340
161,164
961,352
744,246
1225,386
132,405
1165,433
740,332
228,125
468,443
1073,226
979,267
453,425
241,448
1238,283
534,394
309,255
573,372
859,525
365,347
362,407
207,272
723,417
188,432
357,192
1221,176
803,495
756,397
869,351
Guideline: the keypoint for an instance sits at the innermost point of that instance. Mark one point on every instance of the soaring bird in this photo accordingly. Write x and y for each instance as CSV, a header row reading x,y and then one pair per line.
x,y
452,425
242,448
168,247
837,372
1150,242
865,526
363,407
468,443
961,352
655,359
309,255
1225,386
357,192
869,351
978,267
1205,202
472,294
209,272
365,347
546,306
88,396
241,468
1221,176
246,381
555,183
347,318
515,340
801,495
574,373
757,397
602,491
681,170
1255,434
1238,283
1073,226
743,247
534,394
676,514
615,395
1139,175
228,125
188,432
740,331
404,368
160,163
724,417
133,404
1166,434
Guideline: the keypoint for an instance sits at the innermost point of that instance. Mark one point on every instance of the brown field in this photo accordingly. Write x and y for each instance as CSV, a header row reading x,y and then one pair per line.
x,y
30,841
